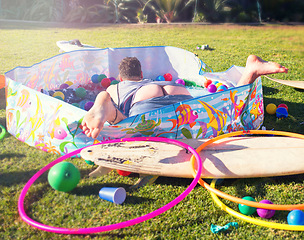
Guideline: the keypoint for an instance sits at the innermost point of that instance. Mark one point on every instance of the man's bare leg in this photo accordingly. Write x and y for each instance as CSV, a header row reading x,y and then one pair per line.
x,y
103,110
256,67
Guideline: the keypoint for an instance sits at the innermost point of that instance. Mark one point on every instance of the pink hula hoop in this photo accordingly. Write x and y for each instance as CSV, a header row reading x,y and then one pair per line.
x,y
117,225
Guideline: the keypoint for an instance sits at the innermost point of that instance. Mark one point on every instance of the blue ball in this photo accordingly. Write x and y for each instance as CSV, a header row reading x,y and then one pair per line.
x,y
94,78
295,217
160,78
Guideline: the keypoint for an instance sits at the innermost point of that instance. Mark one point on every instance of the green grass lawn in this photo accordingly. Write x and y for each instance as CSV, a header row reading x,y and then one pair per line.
x,y
24,45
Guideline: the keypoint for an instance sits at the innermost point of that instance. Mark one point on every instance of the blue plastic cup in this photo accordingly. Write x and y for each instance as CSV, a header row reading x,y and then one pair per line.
x,y
112,194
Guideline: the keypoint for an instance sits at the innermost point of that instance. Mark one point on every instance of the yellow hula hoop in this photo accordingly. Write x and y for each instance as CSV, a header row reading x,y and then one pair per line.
x,y
250,219
236,199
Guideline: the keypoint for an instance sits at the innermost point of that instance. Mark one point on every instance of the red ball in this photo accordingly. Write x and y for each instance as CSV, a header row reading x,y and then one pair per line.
x,y
168,77
123,173
283,106
207,83
106,82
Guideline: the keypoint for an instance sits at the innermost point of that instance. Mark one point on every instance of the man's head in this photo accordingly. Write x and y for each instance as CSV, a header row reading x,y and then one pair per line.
x,y
130,69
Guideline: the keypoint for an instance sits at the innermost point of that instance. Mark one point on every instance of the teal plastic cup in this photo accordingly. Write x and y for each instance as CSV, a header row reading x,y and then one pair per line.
x,y
112,194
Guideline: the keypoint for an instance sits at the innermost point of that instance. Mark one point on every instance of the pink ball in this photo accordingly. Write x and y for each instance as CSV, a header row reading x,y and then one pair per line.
x,y
283,106
265,213
212,88
168,77
180,81
88,105
106,82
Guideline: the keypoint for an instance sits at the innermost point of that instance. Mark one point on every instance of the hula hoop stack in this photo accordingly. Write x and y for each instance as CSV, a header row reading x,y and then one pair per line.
x,y
196,163
215,192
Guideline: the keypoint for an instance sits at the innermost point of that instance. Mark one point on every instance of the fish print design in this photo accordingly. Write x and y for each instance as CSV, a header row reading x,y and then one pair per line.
x,y
186,116
217,120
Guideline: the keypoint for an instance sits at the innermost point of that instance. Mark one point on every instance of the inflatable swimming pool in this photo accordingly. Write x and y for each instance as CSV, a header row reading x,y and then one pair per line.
x,y
53,125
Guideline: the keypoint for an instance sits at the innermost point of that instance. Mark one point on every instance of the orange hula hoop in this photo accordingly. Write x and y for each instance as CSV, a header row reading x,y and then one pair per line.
x,y
236,199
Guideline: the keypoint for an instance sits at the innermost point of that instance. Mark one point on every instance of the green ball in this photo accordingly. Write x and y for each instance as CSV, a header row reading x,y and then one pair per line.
x,y
114,82
64,176
80,92
246,210
101,76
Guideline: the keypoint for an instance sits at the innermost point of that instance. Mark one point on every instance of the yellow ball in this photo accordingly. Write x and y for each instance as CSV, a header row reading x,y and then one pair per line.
x,y
59,94
69,83
271,108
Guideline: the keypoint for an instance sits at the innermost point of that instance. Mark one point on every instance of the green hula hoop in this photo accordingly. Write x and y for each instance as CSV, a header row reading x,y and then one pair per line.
x,y
3,132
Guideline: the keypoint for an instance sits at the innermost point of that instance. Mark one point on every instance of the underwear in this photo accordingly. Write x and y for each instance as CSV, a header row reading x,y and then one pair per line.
x,y
126,91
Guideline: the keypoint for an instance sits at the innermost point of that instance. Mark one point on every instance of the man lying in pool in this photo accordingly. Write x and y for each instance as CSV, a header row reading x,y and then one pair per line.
x,y
133,95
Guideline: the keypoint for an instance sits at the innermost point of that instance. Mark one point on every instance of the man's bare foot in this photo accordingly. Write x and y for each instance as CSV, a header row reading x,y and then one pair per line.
x,y
93,122
256,67
103,110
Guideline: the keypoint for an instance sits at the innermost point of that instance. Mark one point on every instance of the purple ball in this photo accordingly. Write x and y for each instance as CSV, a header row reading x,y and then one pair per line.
x,y
265,213
212,88
88,105
64,86
180,81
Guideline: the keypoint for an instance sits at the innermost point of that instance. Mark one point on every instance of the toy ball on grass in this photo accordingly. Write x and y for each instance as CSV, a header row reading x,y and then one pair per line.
x,y
271,108
281,112
265,213
168,77
247,210
283,105
64,176
123,173
295,217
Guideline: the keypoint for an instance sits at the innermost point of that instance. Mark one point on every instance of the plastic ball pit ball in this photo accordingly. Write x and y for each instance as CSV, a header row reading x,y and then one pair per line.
x,y
295,217
70,83
94,78
207,83
58,94
168,77
123,173
281,112
64,86
80,92
246,210
222,88
114,82
265,213
64,176
212,88
283,106
271,108
88,105
180,81
106,82
160,78
101,76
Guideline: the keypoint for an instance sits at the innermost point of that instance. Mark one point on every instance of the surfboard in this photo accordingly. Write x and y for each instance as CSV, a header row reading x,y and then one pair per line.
x,y
73,45
237,157
295,84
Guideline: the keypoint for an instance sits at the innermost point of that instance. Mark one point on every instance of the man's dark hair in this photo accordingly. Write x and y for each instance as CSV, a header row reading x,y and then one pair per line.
x,y
129,68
